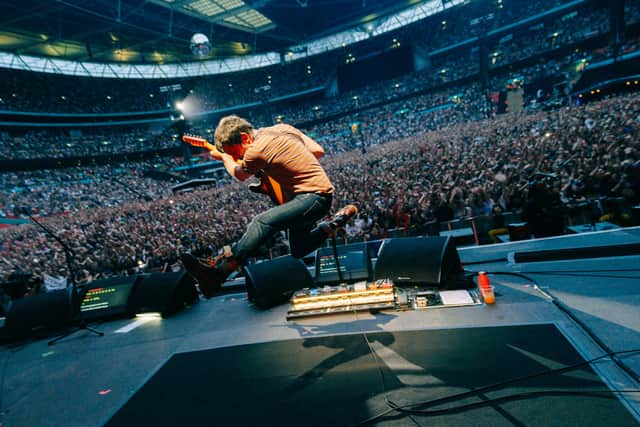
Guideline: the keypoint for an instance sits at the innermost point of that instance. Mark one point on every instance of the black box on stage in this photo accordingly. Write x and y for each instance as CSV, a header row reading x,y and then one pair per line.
x,y
430,261
164,293
46,310
273,282
635,215
519,231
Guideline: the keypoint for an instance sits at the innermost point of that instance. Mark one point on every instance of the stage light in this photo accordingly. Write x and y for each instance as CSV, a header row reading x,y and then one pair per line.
x,y
179,105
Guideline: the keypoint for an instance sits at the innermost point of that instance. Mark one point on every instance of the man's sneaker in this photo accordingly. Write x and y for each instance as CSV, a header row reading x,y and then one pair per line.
x,y
335,224
210,279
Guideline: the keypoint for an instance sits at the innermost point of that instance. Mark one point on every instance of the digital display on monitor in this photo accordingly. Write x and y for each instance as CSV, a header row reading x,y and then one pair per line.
x,y
354,264
107,298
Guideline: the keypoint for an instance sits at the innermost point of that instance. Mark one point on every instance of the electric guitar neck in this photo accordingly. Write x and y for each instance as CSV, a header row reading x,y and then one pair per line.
x,y
198,141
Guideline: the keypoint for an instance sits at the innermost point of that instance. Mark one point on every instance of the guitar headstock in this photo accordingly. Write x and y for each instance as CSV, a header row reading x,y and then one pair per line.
x,y
195,140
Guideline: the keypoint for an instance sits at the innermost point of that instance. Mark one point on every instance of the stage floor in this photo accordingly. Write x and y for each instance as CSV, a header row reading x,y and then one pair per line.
x,y
223,361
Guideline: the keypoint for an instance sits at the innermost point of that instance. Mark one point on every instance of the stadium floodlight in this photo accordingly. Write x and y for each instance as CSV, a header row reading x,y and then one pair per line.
x,y
179,105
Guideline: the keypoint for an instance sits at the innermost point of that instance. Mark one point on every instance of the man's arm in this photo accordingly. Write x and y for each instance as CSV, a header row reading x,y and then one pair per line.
x,y
233,168
215,154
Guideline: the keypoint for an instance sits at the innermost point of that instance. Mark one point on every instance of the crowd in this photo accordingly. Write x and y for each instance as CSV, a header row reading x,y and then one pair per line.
x,y
56,145
406,181
464,63
422,154
50,192
39,92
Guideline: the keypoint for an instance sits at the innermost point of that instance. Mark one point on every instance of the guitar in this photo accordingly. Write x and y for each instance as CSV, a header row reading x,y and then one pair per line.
x,y
267,184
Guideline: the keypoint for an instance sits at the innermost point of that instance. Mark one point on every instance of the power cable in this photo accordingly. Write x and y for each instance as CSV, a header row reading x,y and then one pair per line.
x,y
378,362
491,387
516,396
566,310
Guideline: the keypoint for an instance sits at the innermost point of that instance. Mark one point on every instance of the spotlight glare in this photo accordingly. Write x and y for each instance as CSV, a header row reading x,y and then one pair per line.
x,y
150,315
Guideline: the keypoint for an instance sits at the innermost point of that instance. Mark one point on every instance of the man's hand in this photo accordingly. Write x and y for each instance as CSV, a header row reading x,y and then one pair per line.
x,y
215,154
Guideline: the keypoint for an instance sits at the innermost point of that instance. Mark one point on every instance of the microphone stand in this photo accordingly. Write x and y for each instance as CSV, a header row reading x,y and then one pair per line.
x,y
77,298
334,245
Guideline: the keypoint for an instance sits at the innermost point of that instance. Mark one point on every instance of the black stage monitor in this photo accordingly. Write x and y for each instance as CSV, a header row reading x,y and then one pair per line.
x,y
423,261
354,261
108,298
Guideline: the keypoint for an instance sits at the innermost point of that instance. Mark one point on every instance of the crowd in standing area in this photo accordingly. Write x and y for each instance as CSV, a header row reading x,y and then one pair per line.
x,y
457,171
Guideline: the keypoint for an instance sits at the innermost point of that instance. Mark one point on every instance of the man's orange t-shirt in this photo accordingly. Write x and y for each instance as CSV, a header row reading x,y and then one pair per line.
x,y
280,152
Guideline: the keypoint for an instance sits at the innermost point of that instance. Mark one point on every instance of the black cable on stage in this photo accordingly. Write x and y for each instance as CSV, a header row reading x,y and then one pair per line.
x,y
601,393
380,371
491,387
575,273
393,407
566,310
585,274
600,270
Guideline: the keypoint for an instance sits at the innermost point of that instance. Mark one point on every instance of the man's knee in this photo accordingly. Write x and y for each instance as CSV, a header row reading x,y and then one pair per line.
x,y
261,221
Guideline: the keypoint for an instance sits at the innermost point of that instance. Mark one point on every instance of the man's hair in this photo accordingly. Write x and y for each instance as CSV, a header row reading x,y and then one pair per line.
x,y
229,130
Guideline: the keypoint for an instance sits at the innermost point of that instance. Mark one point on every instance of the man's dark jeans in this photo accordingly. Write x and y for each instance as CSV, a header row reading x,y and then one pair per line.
x,y
299,215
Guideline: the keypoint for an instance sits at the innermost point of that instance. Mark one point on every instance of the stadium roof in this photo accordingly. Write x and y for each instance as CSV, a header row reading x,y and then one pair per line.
x,y
73,36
